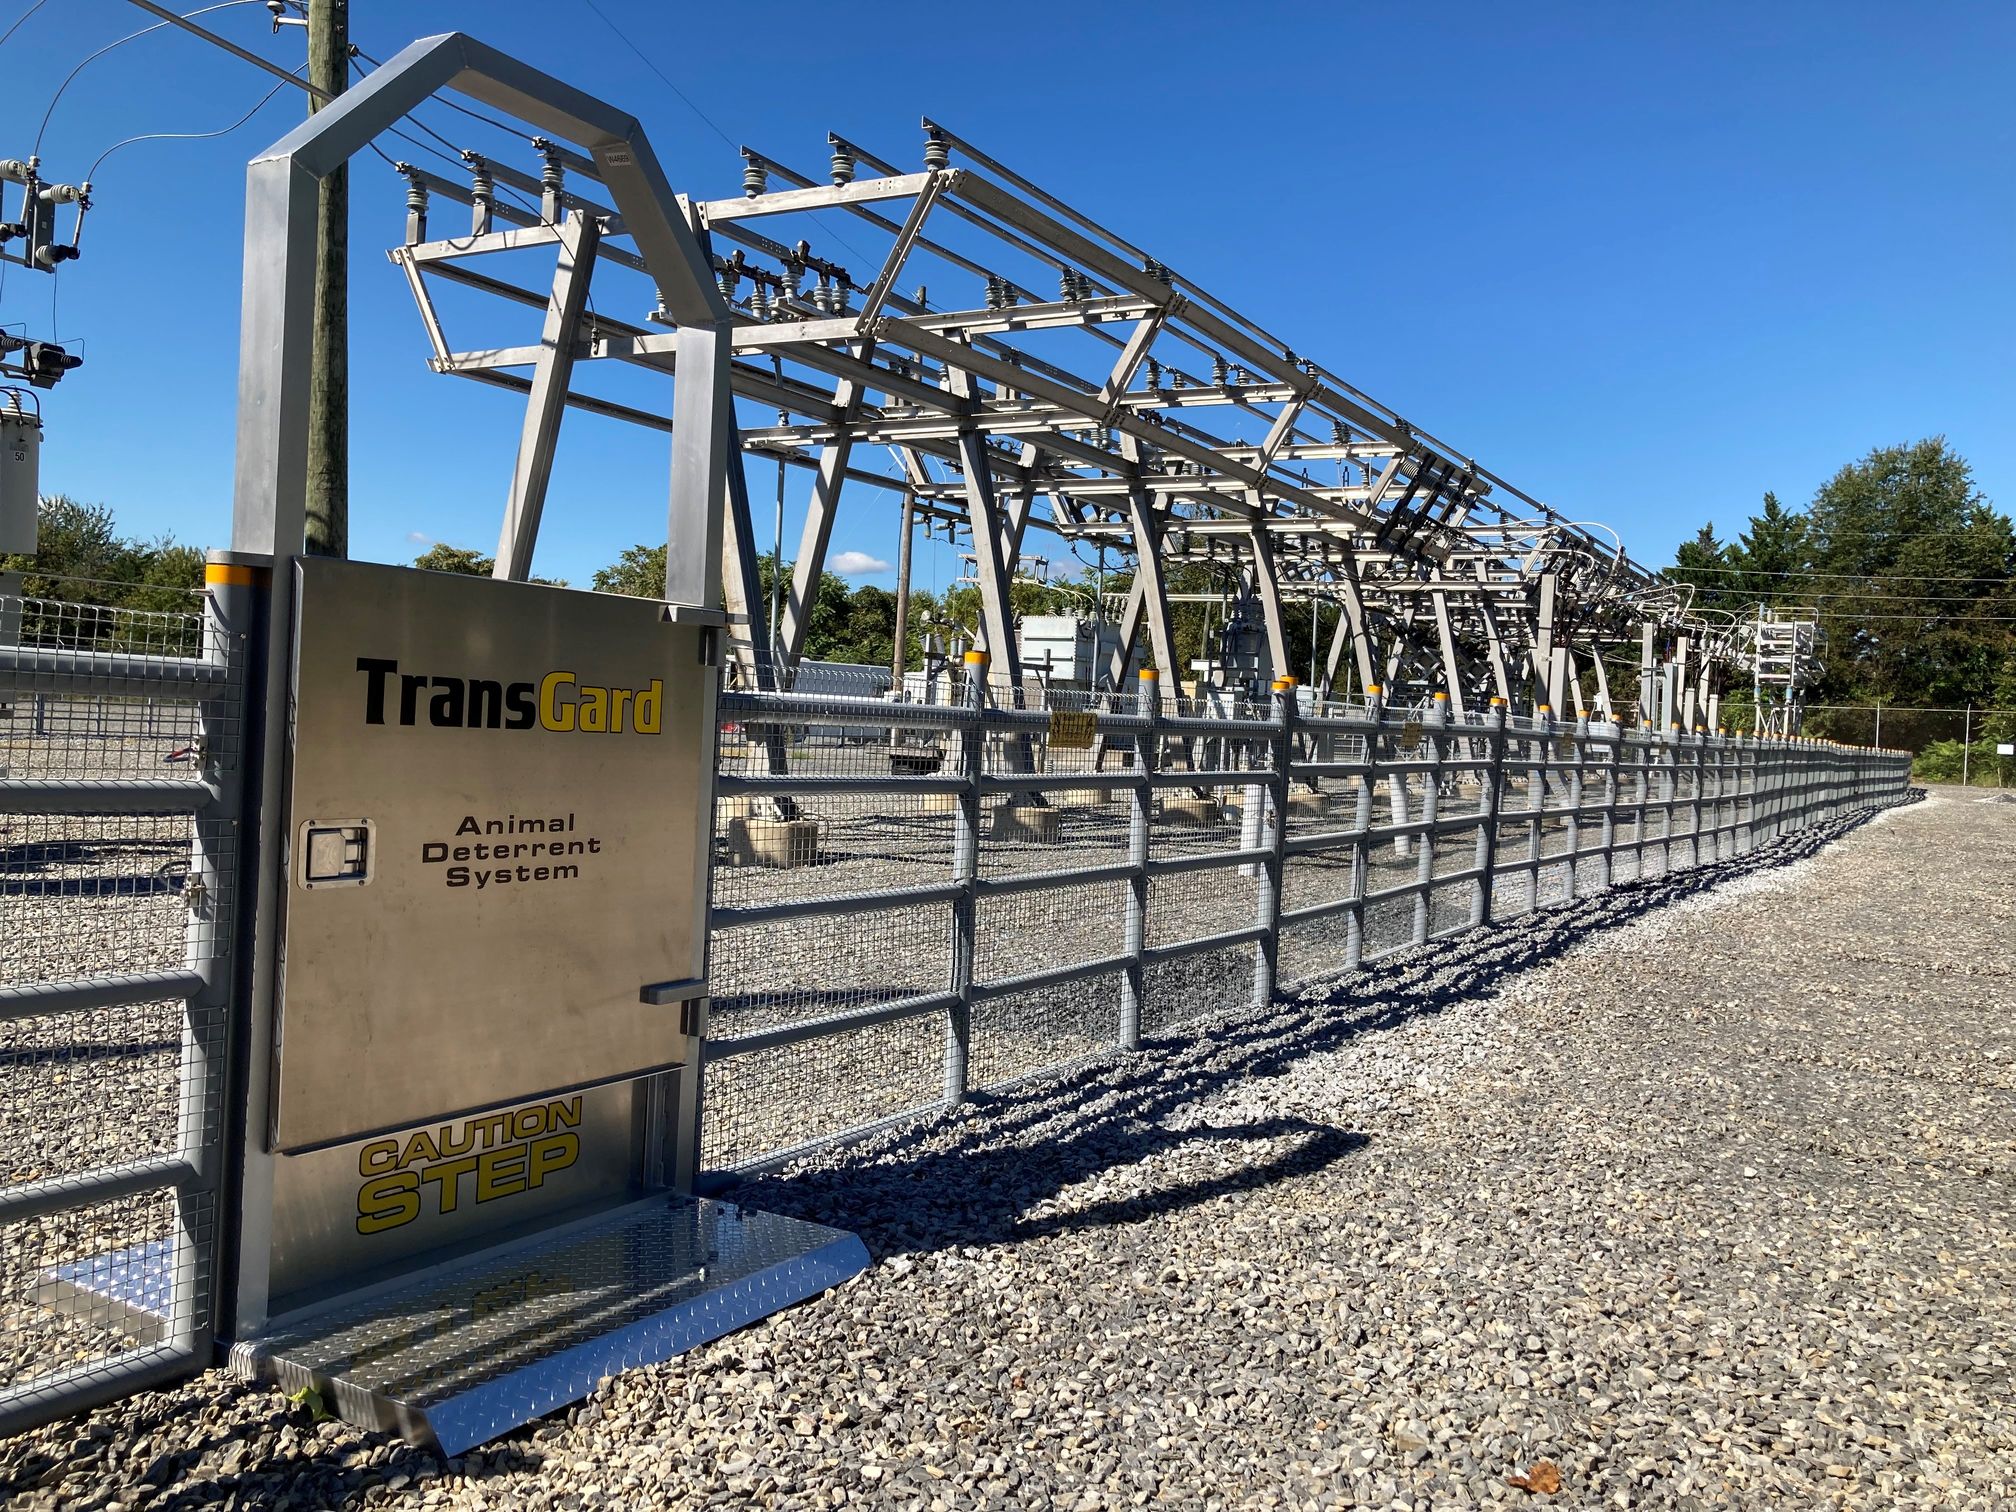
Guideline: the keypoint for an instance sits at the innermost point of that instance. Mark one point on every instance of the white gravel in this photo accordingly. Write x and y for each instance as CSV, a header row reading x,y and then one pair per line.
x,y
1693,1198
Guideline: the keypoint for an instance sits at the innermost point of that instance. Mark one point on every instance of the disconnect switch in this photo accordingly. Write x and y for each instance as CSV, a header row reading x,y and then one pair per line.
x,y
336,853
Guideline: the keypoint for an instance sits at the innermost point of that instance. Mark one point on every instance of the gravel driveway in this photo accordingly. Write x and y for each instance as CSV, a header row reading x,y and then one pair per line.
x,y
1686,1198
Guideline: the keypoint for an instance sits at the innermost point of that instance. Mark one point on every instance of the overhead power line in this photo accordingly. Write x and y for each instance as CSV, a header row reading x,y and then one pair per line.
x,y
23,18
1853,577
664,77
185,136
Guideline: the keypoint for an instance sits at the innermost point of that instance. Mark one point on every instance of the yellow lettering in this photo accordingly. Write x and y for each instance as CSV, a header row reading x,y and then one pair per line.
x,y
619,701
649,708
553,714
419,1150
564,1115
378,1157
447,1175
594,709
500,1173
386,1202
555,1152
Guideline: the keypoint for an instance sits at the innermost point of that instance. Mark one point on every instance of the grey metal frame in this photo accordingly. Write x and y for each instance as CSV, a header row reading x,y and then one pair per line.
x,y
1525,804
212,797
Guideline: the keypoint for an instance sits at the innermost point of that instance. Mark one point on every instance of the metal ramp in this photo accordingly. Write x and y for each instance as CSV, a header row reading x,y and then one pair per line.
x,y
454,1360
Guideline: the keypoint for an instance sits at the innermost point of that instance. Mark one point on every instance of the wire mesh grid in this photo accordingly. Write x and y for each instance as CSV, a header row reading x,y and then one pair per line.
x,y
1389,926
1034,930
91,894
1449,908
1022,1033
90,1088
1196,984
1192,905
82,1286
1313,950
1072,829
1319,876
769,1101
1206,819
791,971
66,614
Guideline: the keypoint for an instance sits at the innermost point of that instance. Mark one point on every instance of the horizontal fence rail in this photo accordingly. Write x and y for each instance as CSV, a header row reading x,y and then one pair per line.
x,y
917,901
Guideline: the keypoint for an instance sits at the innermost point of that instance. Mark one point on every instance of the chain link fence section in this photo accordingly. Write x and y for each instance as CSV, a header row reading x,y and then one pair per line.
x,y
121,737
949,888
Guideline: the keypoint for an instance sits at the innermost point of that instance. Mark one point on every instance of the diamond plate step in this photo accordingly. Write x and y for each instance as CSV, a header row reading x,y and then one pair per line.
x,y
474,1351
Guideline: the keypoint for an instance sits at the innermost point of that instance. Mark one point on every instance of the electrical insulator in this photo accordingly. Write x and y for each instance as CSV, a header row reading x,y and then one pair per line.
x,y
46,362
755,174
937,151
1220,374
843,165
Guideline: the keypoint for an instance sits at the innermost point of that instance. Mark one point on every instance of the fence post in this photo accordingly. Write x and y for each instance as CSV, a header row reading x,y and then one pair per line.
x,y
1489,787
1134,981
1424,869
1354,919
965,868
1273,871
220,862
1576,792
1612,777
1536,802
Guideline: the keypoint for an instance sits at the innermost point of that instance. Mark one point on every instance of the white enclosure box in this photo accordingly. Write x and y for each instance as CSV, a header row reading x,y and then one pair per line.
x,y
1069,648
20,475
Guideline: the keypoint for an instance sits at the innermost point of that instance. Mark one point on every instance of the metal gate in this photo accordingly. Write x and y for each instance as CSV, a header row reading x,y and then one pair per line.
x,y
121,742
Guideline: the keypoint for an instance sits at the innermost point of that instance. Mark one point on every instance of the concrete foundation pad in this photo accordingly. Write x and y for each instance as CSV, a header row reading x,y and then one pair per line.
x,y
1038,826
781,843
1196,813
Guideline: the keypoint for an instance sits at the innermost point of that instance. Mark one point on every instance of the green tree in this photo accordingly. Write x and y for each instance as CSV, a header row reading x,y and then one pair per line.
x,y
1705,562
639,572
441,557
82,562
463,562
1915,566
1770,557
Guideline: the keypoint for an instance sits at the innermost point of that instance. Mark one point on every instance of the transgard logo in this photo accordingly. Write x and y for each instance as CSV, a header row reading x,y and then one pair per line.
x,y
559,701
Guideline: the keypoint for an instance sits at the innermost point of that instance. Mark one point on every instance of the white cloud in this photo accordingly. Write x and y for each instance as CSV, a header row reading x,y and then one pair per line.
x,y
857,564
419,538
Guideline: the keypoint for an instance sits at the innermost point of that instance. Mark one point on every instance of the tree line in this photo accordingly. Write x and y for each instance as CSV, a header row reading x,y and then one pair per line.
x,y
1911,572
1907,565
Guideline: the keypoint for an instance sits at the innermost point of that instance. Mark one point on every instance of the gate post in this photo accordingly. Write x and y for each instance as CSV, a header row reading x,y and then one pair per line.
x,y
965,868
1489,789
1140,815
222,893
1273,871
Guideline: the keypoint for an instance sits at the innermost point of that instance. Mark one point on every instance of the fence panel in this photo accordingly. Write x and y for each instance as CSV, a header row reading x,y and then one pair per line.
x,y
918,901
121,738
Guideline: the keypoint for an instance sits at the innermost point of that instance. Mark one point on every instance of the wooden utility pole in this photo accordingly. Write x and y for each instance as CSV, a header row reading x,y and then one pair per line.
x,y
899,658
329,389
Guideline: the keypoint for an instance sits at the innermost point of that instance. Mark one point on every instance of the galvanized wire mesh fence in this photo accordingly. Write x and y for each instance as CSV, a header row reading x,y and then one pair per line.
x,y
120,743
945,889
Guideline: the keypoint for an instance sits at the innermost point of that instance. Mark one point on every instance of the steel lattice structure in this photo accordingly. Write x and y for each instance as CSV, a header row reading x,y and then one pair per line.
x,y
1058,363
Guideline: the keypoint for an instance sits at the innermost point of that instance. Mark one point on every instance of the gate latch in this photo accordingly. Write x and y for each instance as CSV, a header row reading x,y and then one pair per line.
x,y
337,852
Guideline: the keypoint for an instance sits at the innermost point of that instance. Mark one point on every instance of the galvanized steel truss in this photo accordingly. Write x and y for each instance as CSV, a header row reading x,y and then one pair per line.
x,y
1060,364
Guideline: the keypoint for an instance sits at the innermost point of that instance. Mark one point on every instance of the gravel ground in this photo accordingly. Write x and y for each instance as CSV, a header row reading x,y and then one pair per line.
x,y
1689,1198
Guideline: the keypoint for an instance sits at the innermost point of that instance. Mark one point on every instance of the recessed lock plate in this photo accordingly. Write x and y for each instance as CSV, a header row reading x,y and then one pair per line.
x,y
335,853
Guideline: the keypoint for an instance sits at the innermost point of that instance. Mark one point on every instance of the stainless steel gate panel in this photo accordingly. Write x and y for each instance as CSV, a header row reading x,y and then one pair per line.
x,y
493,845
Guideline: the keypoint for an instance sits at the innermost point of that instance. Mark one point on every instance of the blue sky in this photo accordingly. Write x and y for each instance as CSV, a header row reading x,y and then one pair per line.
x,y
1645,261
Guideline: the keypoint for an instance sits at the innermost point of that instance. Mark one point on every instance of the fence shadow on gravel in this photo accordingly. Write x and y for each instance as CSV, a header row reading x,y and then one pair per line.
x,y
972,1176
